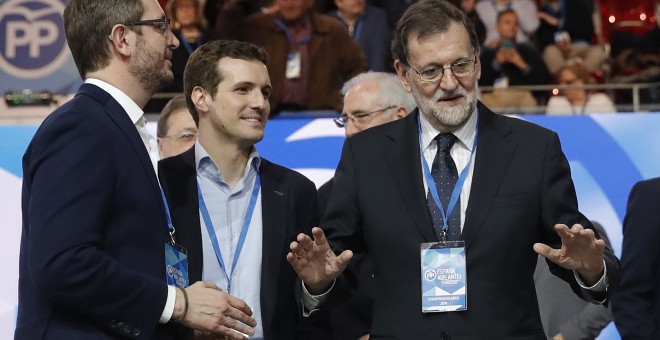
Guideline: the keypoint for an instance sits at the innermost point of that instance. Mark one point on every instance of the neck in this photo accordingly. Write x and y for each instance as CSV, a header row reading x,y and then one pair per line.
x,y
190,31
120,78
230,158
348,18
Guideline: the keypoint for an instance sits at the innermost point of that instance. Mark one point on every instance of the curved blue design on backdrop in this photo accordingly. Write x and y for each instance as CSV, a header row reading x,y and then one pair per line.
x,y
598,152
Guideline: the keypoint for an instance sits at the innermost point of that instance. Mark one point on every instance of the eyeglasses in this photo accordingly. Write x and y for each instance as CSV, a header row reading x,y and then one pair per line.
x,y
433,74
183,137
358,117
162,25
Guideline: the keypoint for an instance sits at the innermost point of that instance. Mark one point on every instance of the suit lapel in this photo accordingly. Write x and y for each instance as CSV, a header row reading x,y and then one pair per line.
x,y
404,162
274,198
494,152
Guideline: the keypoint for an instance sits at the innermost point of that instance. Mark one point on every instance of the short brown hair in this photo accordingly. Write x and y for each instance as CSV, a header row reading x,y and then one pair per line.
x,y
175,104
202,67
88,23
425,18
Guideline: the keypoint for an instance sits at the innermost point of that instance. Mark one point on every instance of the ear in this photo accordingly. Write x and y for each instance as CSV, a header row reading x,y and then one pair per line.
x,y
400,112
477,67
160,145
199,97
403,75
119,38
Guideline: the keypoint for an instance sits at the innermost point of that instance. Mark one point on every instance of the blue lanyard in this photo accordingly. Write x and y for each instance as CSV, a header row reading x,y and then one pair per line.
x,y
170,226
289,36
241,239
358,29
459,183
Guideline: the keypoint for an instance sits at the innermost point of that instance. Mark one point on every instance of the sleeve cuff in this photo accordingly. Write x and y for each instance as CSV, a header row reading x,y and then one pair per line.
x,y
310,302
598,288
169,305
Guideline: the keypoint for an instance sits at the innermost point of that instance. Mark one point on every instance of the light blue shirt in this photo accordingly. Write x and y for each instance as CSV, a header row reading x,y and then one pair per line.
x,y
227,207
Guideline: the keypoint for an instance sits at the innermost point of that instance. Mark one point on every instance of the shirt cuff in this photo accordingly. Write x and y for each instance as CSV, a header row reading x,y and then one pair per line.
x,y
169,305
598,287
310,302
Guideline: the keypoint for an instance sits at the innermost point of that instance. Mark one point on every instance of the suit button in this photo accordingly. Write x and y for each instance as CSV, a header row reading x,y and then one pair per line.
x,y
113,323
136,331
128,329
444,336
121,325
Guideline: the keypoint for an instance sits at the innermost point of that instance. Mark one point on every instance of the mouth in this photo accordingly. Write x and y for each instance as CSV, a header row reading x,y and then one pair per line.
x,y
451,100
252,119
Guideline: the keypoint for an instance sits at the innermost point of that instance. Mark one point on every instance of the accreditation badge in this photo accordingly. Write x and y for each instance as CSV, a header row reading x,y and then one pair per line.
x,y
444,279
176,265
293,65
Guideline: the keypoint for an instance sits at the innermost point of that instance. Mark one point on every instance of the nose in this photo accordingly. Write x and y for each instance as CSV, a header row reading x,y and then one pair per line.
x,y
172,41
351,128
258,101
448,81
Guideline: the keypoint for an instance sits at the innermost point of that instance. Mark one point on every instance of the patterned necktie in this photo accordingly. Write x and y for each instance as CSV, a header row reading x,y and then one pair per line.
x,y
445,176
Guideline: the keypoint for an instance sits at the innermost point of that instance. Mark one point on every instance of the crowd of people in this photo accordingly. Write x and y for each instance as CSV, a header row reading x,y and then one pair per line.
x,y
443,218
315,46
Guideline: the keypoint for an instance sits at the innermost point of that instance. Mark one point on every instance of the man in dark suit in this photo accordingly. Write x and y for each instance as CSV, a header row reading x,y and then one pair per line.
x,y
92,262
636,303
250,208
517,199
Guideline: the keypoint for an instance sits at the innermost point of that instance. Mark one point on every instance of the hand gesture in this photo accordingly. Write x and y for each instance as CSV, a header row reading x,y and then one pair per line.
x,y
212,310
316,264
580,251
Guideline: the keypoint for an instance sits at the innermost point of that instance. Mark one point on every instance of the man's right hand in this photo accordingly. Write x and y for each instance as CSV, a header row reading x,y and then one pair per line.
x,y
316,264
212,310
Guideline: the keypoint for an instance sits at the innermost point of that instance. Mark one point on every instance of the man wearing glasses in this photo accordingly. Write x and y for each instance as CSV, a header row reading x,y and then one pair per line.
x,y
453,202
177,131
93,261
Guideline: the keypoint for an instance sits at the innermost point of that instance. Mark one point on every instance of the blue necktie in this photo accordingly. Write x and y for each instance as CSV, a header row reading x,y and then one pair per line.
x,y
445,175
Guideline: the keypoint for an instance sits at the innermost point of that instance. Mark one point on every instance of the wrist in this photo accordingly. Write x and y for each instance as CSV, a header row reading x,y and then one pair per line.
x,y
180,305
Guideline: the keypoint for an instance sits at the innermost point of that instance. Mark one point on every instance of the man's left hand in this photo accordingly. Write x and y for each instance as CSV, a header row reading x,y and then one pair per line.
x,y
580,251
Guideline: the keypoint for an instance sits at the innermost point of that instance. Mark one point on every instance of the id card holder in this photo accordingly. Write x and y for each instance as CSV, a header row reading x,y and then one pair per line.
x,y
293,65
444,279
176,265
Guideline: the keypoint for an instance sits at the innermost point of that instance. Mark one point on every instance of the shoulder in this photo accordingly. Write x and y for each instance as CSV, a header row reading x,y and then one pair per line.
x,y
327,24
260,21
647,189
285,175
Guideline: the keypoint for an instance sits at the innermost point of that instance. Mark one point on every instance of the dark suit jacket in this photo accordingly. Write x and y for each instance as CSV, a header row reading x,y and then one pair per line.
x,y
520,189
92,262
636,304
289,207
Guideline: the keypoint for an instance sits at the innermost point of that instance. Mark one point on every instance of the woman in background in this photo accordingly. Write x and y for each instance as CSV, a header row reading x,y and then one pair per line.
x,y
578,101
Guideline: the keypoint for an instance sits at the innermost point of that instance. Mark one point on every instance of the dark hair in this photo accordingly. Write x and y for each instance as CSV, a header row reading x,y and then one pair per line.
x,y
202,67
175,104
88,23
425,18
505,11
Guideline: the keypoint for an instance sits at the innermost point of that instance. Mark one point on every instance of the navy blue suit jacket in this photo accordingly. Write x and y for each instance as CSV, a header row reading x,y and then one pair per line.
x,y
521,187
636,304
92,261
289,207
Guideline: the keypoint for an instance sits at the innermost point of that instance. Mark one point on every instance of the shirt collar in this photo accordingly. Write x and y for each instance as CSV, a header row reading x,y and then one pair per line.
x,y
204,162
134,111
465,133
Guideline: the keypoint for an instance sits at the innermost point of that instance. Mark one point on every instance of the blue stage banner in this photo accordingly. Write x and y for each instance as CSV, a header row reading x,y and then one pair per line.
x,y
607,154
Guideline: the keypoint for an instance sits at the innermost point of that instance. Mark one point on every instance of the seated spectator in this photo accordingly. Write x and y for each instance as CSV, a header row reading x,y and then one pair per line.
x,y
310,55
467,6
578,101
510,64
564,315
176,131
367,25
525,9
188,26
572,38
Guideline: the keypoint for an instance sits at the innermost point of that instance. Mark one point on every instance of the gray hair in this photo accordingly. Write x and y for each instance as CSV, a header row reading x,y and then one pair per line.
x,y
391,92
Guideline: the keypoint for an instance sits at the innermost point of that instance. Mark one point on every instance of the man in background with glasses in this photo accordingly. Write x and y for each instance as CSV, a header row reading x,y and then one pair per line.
x,y
93,261
177,131
454,202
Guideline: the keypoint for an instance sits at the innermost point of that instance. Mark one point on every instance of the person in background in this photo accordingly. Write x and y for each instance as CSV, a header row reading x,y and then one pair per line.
x,y
370,99
234,210
578,101
176,131
310,55
636,303
367,25
564,315
516,195
525,9
93,261
468,6
510,64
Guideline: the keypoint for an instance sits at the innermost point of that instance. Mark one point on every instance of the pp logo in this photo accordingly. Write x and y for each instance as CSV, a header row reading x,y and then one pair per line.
x,y
32,41
430,275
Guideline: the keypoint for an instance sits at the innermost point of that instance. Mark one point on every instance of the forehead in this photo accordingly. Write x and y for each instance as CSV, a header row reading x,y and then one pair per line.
x,y
508,16
240,70
566,74
362,97
443,47
152,10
